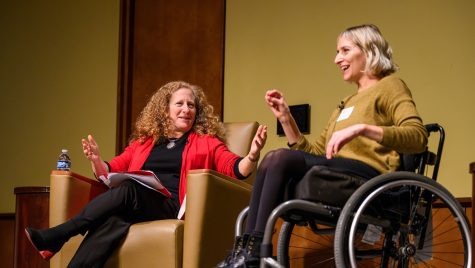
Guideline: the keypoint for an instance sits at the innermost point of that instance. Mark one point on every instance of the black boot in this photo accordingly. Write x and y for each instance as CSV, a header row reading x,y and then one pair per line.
x,y
250,256
239,244
49,241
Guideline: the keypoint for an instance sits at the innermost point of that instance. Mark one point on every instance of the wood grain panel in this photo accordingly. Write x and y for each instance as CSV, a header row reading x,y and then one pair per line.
x,y
32,210
7,230
163,41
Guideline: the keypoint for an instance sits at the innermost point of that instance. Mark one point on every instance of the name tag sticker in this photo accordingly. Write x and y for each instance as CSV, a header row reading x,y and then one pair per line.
x,y
345,113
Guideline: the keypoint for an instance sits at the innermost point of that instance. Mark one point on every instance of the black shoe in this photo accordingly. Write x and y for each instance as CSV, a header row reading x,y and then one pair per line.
x,y
46,250
245,260
239,244
250,256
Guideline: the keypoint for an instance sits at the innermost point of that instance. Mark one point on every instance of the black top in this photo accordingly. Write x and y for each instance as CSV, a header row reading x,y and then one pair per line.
x,y
165,161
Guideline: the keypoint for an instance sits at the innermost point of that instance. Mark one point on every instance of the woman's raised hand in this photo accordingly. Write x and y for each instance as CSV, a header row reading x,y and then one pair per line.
x,y
275,100
91,149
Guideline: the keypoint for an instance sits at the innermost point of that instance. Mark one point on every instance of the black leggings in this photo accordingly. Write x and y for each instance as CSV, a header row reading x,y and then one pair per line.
x,y
107,219
277,168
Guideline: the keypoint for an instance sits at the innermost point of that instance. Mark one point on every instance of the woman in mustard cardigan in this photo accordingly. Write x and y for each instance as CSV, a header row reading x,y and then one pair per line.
x,y
363,135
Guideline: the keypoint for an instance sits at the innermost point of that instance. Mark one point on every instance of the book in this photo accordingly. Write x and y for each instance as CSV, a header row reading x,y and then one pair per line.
x,y
145,177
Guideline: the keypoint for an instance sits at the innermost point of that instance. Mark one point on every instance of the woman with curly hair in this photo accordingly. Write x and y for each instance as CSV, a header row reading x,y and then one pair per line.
x,y
176,132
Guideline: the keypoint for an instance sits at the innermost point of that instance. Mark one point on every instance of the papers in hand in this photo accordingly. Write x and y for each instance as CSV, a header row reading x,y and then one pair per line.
x,y
145,177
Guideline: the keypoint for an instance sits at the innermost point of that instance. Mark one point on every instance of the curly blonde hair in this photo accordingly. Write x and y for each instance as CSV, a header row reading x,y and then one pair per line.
x,y
154,120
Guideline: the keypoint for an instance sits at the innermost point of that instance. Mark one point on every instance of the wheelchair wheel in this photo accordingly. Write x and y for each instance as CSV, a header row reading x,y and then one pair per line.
x,y
402,219
283,243
300,246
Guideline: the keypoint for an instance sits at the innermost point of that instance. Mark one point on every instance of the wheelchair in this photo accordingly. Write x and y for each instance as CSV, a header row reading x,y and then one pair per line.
x,y
399,219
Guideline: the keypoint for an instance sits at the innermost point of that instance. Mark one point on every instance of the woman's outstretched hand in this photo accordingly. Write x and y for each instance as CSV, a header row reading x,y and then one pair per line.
x,y
258,143
248,163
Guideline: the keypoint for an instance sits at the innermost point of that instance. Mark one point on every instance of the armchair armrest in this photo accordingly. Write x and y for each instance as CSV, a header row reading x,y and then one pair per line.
x,y
69,193
213,203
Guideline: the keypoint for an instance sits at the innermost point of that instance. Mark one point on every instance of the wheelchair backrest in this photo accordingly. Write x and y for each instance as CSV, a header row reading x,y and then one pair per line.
x,y
418,162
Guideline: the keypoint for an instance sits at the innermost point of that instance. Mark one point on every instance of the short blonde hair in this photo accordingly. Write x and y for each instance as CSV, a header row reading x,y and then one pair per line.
x,y
379,55
154,120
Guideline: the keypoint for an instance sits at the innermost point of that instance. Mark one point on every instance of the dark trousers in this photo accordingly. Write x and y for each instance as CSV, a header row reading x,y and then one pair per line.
x,y
275,171
107,219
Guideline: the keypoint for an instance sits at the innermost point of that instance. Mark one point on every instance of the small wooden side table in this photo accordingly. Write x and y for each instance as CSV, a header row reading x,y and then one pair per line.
x,y
32,210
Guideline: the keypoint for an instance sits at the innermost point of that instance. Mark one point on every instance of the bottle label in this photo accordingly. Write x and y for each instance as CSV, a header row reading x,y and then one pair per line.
x,y
63,165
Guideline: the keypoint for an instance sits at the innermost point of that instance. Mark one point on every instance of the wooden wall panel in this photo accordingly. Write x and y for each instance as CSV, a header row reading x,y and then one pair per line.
x,y
162,41
7,231
32,210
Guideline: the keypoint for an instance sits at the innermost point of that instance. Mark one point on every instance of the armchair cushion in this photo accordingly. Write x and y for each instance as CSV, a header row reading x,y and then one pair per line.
x,y
161,239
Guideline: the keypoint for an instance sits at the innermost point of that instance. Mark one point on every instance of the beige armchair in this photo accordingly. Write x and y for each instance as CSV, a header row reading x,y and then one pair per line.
x,y
202,240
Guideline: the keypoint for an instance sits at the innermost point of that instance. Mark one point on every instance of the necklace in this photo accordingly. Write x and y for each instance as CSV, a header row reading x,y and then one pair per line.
x,y
171,143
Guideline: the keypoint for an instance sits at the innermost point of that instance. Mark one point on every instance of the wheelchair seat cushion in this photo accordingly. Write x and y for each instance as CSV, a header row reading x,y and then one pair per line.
x,y
327,185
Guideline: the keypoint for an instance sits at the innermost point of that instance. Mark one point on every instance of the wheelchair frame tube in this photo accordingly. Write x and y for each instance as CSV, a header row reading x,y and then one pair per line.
x,y
266,246
240,221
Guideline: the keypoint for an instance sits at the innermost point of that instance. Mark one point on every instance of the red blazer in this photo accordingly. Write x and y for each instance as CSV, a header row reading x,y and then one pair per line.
x,y
201,152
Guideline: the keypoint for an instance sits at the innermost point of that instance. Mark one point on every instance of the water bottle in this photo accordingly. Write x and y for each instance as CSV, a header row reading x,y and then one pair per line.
x,y
64,161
